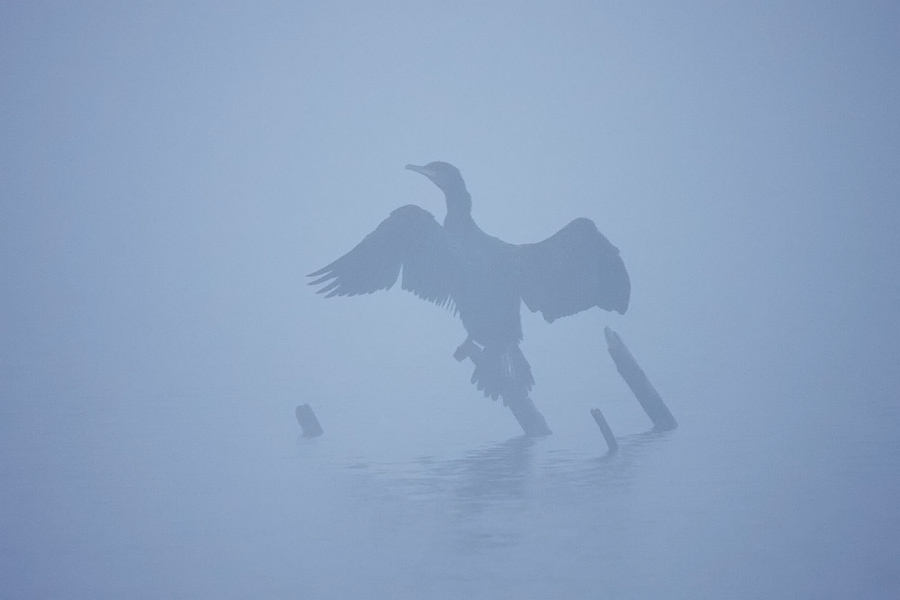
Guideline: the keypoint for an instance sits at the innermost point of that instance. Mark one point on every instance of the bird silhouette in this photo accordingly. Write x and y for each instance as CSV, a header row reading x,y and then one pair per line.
x,y
484,280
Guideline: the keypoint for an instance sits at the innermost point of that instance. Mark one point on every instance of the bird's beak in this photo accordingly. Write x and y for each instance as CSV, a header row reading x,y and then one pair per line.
x,y
421,170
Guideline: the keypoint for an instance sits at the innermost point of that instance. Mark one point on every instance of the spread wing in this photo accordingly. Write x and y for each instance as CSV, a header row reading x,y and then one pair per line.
x,y
410,239
573,270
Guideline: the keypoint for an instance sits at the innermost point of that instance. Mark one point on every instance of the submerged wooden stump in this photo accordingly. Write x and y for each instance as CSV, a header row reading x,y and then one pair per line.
x,y
605,430
637,380
308,421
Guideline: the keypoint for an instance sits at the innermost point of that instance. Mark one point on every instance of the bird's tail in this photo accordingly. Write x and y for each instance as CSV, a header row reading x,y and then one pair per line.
x,y
502,371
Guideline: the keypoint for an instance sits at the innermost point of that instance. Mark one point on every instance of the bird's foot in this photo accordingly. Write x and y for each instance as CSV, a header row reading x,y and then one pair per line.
x,y
467,349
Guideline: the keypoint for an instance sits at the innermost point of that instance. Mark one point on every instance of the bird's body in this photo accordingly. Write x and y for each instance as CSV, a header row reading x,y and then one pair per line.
x,y
483,278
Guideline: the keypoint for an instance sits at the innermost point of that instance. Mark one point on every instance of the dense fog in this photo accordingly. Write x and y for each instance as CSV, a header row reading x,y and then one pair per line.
x,y
172,171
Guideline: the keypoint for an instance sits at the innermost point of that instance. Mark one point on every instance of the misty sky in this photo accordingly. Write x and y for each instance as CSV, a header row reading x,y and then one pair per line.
x,y
171,172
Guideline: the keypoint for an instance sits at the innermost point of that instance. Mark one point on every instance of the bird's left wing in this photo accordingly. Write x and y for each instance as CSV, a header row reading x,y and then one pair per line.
x,y
571,271
410,239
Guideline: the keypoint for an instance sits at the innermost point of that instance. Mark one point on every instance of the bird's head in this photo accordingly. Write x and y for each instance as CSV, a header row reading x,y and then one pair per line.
x,y
444,175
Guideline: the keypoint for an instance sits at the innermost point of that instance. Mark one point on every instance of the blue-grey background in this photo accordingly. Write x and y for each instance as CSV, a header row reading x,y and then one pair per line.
x,y
171,171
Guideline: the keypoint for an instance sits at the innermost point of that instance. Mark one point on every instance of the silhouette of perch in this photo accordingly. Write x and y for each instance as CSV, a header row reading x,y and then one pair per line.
x,y
308,421
637,380
605,430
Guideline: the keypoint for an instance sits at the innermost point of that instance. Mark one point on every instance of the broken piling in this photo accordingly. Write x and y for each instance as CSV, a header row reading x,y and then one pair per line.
x,y
637,380
308,421
611,442
529,417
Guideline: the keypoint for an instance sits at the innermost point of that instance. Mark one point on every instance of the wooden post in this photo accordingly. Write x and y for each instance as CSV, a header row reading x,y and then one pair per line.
x,y
605,430
528,416
308,421
634,376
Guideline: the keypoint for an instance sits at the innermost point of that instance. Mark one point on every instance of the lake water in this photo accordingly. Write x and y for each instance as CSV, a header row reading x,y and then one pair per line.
x,y
762,492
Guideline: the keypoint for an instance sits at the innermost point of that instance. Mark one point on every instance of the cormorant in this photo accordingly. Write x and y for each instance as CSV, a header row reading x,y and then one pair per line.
x,y
483,279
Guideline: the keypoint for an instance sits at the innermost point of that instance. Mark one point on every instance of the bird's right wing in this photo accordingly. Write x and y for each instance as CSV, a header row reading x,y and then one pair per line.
x,y
410,239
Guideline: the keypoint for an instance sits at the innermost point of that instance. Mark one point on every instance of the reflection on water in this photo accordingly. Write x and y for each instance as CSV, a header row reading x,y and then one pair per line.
x,y
496,474
498,495
90,499
508,471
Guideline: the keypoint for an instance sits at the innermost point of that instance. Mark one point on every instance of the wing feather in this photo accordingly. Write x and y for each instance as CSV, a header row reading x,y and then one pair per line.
x,y
573,270
409,239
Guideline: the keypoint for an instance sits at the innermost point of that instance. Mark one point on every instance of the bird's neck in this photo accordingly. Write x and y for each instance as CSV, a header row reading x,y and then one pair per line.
x,y
459,210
